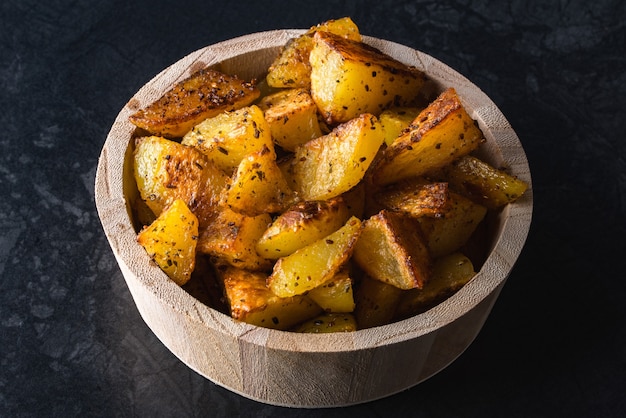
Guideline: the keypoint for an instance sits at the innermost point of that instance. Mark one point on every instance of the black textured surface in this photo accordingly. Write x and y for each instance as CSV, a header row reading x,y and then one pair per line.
x,y
72,342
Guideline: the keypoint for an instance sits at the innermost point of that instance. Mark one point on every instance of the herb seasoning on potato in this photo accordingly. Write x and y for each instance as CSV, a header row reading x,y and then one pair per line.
x,y
338,200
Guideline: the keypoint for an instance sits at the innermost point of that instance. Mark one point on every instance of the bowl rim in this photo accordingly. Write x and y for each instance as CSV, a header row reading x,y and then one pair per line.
x,y
112,207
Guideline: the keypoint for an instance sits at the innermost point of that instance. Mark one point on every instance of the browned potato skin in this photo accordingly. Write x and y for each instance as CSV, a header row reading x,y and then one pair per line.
x,y
391,249
416,197
483,183
440,134
166,170
204,94
250,301
231,237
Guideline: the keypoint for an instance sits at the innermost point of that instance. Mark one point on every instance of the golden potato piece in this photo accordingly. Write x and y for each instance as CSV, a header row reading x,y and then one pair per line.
x,y
292,117
484,183
450,273
228,137
301,225
395,120
315,264
332,164
202,95
440,134
171,241
376,302
336,295
391,249
349,78
450,232
292,68
258,186
166,170
329,322
250,301
231,237
416,197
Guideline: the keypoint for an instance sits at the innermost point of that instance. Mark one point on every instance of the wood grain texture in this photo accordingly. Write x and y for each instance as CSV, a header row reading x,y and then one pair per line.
x,y
308,370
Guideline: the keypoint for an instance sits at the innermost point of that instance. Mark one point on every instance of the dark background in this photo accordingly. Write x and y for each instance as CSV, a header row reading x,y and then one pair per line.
x,y
72,342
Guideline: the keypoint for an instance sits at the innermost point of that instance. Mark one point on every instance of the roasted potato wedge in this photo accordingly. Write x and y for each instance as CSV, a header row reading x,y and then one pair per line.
x,y
332,164
483,183
166,170
440,134
301,225
450,232
349,78
416,197
250,301
392,250
315,264
292,117
231,237
376,302
336,295
329,322
228,137
258,186
450,273
171,241
202,95
292,68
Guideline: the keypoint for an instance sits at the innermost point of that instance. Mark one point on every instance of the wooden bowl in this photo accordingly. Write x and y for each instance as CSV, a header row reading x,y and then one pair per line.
x,y
308,370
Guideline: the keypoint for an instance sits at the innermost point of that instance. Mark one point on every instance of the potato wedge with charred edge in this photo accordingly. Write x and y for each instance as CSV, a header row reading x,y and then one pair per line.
x,y
483,183
202,95
231,237
171,241
250,301
292,68
349,78
228,137
450,273
440,134
332,164
392,250
336,295
315,264
258,186
292,117
301,225
166,170
450,232
328,322
416,197
376,302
